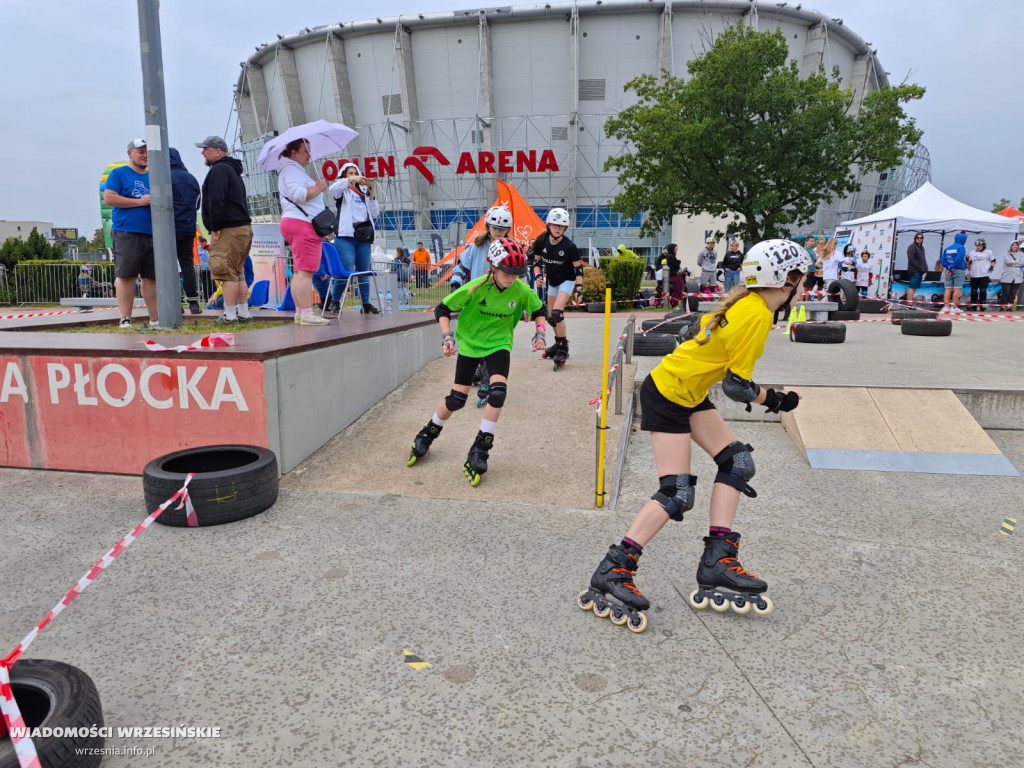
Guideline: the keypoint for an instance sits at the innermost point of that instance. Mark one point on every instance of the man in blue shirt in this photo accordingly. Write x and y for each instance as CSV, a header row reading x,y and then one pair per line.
x,y
127,192
954,265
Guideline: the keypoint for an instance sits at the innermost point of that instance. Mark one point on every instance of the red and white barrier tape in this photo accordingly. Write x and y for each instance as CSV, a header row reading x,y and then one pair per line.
x,y
23,746
213,340
38,314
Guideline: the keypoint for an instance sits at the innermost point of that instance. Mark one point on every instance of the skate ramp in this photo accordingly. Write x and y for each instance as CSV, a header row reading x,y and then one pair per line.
x,y
892,430
543,448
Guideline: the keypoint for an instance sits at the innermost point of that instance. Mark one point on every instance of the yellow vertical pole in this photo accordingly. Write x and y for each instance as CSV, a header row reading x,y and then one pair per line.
x,y
602,429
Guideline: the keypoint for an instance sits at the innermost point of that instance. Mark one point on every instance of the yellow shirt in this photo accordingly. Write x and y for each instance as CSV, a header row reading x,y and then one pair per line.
x,y
686,375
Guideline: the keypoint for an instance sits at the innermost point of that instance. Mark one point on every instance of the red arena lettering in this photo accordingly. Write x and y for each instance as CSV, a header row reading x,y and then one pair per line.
x,y
370,171
485,162
547,161
526,161
386,166
505,161
330,170
466,164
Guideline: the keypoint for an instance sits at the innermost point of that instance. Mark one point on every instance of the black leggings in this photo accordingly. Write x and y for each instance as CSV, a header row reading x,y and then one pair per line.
x,y
1008,292
979,290
498,364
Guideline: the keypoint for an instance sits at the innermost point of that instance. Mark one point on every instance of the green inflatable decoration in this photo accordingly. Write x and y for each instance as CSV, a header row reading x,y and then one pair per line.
x,y
105,210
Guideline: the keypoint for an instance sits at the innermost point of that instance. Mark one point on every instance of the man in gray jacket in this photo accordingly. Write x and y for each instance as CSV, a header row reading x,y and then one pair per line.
x,y
707,260
917,265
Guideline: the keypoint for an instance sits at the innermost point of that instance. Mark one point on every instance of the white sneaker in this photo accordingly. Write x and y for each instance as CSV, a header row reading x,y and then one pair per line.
x,y
945,309
957,311
126,322
312,320
154,323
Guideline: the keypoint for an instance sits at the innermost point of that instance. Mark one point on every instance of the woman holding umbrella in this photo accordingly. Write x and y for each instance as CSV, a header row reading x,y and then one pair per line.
x,y
301,200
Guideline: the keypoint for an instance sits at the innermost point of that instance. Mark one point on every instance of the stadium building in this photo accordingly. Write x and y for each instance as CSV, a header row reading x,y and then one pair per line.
x,y
447,103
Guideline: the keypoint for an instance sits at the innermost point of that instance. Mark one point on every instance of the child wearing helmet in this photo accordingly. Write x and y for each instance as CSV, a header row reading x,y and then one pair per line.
x,y
981,263
490,305
848,266
864,274
557,267
675,405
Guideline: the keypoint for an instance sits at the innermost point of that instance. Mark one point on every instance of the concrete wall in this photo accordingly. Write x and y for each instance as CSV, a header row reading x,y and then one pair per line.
x,y
321,392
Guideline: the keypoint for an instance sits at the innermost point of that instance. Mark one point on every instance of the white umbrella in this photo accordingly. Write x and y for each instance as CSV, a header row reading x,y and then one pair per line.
x,y
324,139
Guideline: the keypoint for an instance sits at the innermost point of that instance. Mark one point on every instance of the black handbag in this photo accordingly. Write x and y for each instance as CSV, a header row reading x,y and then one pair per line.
x,y
324,223
363,231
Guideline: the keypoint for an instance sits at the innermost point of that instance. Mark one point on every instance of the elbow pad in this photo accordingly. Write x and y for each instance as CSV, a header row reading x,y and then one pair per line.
x,y
539,313
442,310
739,389
579,270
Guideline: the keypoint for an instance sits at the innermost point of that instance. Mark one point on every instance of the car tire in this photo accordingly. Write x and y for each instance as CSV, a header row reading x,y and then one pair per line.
x,y
926,327
598,306
51,694
840,314
846,294
693,301
818,333
673,326
654,344
897,316
873,306
229,483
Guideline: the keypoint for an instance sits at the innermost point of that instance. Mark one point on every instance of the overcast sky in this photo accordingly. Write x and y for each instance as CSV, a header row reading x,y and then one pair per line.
x,y
71,85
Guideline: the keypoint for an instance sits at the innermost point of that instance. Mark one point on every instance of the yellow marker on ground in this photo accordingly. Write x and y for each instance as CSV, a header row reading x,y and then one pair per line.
x,y
415,661
802,316
1009,524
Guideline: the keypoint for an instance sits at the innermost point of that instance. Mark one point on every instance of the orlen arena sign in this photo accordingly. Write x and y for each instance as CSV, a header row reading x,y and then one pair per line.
x,y
503,161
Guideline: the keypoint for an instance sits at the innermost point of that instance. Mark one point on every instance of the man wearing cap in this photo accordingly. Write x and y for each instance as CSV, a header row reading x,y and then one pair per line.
x,y
707,260
226,217
127,192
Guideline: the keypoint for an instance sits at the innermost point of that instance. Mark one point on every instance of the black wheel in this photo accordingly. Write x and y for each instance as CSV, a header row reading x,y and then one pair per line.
x,y
926,327
899,315
654,344
673,325
845,293
873,306
693,302
231,482
51,694
598,306
818,333
841,314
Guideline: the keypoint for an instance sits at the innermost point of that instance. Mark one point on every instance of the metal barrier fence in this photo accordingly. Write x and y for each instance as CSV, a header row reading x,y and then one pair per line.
x,y
5,289
612,382
425,286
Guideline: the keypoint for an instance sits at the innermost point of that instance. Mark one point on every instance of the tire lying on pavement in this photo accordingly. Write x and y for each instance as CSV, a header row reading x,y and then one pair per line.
x,y
841,314
673,325
873,306
230,482
654,344
598,306
914,327
899,315
51,694
846,293
818,333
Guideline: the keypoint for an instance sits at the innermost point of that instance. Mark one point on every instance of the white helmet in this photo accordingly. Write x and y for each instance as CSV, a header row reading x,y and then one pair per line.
x,y
767,263
499,216
558,216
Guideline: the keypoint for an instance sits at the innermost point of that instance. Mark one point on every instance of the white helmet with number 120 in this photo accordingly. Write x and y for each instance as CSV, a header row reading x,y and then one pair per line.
x,y
767,263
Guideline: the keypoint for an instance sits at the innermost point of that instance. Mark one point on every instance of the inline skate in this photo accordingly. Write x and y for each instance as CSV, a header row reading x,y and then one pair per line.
x,y
614,576
561,353
421,443
722,582
476,462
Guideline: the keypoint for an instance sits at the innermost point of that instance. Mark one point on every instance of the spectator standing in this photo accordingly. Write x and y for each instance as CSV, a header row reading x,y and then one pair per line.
x,y
356,206
864,272
707,261
813,281
402,266
421,265
917,265
127,192
85,281
982,263
1012,276
731,265
828,261
226,218
205,281
848,265
185,191
954,267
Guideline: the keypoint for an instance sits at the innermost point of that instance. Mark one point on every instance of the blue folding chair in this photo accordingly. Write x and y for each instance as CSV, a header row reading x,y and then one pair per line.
x,y
260,293
336,273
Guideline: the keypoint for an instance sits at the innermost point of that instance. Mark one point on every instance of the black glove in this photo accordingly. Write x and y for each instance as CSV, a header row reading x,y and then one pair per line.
x,y
780,401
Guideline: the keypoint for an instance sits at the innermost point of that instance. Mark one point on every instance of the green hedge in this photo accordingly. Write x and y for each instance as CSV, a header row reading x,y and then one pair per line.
x,y
625,275
47,282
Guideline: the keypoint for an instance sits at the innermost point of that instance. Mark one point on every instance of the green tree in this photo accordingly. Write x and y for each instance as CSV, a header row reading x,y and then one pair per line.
x,y
98,242
1005,203
746,137
12,251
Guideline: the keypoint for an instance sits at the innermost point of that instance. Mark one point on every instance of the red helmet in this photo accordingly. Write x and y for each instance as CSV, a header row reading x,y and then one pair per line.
x,y
507,255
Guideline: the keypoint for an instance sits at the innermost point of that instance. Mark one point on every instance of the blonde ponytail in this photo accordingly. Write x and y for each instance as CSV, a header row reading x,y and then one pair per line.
x,y
737,293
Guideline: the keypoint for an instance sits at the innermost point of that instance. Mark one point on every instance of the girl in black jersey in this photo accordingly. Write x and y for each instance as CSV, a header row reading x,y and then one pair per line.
x,y
562,276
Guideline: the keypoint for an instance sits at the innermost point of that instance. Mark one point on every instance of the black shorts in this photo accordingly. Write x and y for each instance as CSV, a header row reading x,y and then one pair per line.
x,y
659,414
814,280
498,364
133,255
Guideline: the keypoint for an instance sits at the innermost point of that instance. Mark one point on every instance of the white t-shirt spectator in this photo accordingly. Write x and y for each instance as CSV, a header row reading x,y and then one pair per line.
x,y
980,262
830,267
863,274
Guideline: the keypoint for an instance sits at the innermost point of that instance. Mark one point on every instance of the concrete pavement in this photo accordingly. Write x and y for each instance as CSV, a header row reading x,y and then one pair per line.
x,y
892,642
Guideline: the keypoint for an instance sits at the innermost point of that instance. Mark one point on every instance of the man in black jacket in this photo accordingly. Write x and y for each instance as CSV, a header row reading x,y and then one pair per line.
x,y
917,265
226,216
185,191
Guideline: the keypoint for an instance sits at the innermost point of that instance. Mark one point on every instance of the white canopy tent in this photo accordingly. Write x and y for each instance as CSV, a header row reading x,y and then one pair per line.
x,y
889,232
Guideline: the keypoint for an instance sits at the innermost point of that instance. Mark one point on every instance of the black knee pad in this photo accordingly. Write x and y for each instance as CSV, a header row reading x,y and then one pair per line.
x,y
676,494
736,467
556,316
496,394
455,401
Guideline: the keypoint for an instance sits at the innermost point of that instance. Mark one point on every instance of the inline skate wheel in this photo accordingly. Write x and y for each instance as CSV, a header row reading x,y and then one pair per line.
x,y
619,617
742,607
473,477
602,609
720,607
412,459
699,604
764,606
584,602
638,625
